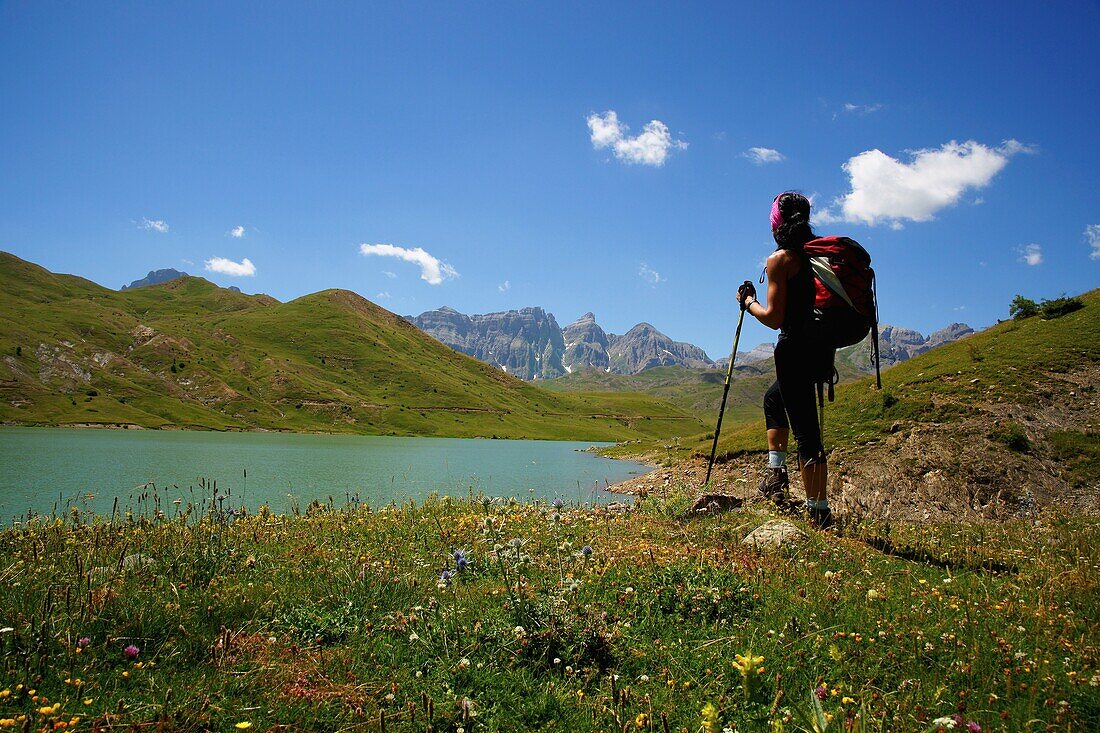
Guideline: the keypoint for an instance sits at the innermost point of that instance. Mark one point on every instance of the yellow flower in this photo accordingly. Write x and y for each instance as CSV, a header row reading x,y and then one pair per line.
x,y
847,700
710,718
243,725
7,722
641,720
87,701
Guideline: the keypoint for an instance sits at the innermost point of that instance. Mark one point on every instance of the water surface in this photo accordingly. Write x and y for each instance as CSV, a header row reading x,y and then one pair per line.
x,y
43,469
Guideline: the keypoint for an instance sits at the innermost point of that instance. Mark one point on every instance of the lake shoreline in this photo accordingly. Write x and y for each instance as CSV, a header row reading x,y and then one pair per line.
x,y
55,469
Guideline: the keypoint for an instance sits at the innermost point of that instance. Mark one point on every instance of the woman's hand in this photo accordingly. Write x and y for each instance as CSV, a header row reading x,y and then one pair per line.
x,y
745,292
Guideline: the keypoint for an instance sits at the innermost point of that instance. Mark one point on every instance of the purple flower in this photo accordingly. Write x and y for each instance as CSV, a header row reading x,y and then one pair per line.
x,y
131,652
461,561
586,550
83,642
973,727
558,503
821,692
445,577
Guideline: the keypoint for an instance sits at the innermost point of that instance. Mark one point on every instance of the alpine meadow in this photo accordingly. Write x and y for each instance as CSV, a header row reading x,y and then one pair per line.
x,y
358,454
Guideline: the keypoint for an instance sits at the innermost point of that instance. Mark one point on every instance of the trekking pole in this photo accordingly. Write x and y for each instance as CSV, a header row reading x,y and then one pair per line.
x,y
726,390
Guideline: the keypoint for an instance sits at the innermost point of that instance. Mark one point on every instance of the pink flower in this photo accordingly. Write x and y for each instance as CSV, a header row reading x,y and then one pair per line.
x,y
83,642
820,692
973,727
131,652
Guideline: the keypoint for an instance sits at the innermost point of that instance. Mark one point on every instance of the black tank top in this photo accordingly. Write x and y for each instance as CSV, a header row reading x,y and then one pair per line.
x,y
799,314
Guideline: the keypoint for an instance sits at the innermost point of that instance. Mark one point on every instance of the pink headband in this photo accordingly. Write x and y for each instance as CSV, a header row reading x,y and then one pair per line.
x,y
777,216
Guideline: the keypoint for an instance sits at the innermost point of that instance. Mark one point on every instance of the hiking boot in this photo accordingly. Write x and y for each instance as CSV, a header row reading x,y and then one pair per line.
x,y
775,485
821,518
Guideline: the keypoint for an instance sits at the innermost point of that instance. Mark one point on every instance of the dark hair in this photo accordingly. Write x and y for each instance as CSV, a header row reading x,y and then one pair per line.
x,y
795,230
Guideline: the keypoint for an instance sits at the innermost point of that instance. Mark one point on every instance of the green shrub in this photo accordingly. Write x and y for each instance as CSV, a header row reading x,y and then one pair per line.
x,y
1013,436
1022,307
1058,307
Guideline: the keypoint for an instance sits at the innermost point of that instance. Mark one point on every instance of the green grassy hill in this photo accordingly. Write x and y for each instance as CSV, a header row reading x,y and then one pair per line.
x,y
188,353
1030,363
995,424
698,391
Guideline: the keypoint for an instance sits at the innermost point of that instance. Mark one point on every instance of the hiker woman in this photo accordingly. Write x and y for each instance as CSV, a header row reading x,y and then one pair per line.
x,y
799,356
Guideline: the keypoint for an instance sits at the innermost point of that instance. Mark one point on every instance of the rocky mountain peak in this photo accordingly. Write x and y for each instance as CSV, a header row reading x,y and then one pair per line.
x,y
155,277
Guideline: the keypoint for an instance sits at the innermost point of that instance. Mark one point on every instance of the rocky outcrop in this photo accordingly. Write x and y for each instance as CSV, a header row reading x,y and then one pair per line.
x,y
155,277
758,353
644,347
526,343
586,345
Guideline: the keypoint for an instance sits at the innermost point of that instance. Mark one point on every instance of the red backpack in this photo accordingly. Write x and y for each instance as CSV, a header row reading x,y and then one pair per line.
x,y
845,302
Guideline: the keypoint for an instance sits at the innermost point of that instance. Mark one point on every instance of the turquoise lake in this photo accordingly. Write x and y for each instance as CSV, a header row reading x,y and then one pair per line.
x,y
47,469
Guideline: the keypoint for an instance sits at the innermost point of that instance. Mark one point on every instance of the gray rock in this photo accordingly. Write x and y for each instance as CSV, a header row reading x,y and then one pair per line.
x,y
586,345
644,347
155,277
526,343
898,344
774,534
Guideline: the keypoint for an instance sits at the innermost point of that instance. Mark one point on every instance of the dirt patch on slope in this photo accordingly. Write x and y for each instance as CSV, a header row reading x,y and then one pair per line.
x,y
996,464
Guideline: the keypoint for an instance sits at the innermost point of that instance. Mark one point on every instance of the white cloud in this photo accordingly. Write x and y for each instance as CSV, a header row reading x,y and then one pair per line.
x,y
888,191
861,109
650,147
760,156
384,295
650,275
432,271
1092,236
390,275
244,268
1032,254
237,232
156,225
504,287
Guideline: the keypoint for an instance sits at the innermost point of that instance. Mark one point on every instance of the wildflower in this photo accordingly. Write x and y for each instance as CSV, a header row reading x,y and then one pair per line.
x,y
946,722
586,551
445,578
750,669
641,720
709,714
88,701
413,637
464,663
847,700
821,692
461,561
243,725
520,632
83,642
973,727
558,503
873,595
131,652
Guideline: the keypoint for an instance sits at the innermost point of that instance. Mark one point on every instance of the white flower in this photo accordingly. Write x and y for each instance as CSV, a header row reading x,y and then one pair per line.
x,y
944,722
520,632
464,663
414,637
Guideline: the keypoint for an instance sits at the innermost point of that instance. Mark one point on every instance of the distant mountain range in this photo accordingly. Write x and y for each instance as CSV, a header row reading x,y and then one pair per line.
x,y
897,344
156,277
529,344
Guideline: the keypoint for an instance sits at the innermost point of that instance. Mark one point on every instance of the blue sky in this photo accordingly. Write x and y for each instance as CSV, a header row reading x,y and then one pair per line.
x,y
140,136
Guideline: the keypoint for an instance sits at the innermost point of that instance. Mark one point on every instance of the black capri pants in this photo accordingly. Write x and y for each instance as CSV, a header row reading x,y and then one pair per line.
x,y
789,402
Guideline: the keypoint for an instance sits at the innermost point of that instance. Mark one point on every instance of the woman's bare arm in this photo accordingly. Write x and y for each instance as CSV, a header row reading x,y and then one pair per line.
x,y
779,268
